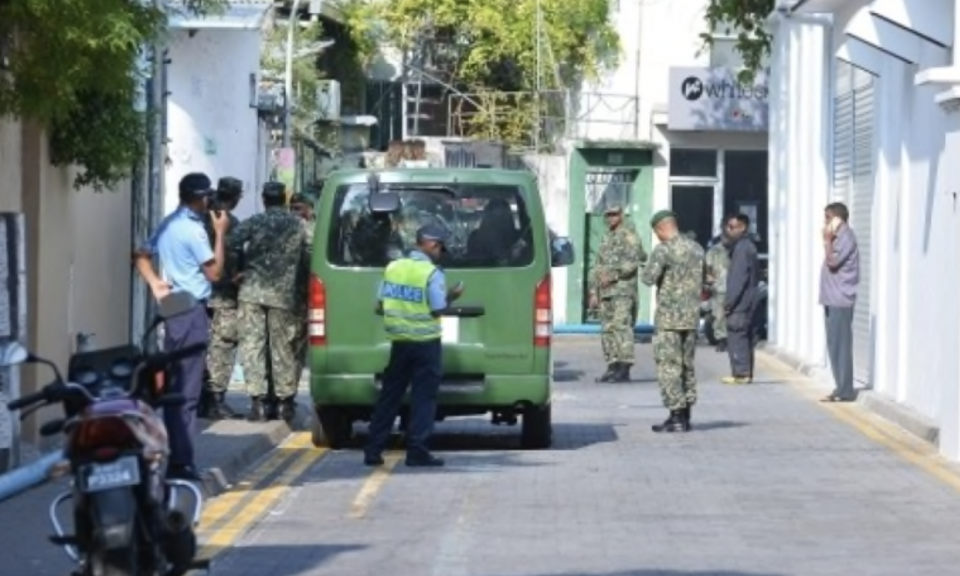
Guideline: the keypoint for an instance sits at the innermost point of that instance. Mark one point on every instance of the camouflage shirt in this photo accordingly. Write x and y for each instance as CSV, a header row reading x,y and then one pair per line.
x,y
718,262
676,268
618,258
225,290
273,245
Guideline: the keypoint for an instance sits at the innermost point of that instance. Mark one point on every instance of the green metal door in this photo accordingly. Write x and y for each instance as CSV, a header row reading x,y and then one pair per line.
x,y
604,187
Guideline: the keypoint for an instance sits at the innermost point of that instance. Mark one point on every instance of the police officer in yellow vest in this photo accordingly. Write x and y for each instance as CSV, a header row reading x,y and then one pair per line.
x,y
411,297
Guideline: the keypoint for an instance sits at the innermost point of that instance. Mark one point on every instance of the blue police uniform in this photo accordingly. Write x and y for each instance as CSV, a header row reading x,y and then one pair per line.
x,y
183,248
412,292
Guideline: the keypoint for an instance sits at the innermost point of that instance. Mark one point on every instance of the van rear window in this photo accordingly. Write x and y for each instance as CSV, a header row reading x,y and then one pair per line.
x,y
489,226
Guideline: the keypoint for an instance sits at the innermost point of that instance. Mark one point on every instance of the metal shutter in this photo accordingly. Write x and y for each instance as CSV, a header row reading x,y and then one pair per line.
x,y
853,184
861,220
842,147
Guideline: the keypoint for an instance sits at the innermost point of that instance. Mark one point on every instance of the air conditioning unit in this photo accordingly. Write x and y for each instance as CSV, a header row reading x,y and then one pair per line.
x,y
328,100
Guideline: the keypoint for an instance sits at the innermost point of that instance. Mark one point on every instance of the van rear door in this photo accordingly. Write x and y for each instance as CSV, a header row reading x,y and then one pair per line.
x,y
494,249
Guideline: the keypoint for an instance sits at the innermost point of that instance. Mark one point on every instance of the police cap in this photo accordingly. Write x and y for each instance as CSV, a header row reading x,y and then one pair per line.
x,y
229,187
195,185
433,232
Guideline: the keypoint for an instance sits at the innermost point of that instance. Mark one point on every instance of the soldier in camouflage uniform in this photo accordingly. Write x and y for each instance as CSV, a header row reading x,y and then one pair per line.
x,y
302,206
222,306
675,267
718,262
613,290
273,245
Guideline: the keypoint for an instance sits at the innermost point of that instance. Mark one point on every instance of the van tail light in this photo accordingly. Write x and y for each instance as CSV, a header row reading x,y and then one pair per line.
x,y
317,315
542,313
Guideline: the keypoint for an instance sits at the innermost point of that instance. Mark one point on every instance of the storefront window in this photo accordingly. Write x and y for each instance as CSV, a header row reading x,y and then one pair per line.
x,y
693,163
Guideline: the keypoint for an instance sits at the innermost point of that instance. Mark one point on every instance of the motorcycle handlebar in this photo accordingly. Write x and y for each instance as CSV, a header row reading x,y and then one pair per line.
x,y
24,401
154,362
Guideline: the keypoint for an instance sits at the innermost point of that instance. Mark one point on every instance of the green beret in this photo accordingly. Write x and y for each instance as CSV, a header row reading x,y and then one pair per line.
x,y
661,216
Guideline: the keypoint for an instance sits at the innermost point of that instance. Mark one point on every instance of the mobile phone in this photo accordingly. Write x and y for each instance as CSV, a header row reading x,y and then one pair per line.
x,y
835,224
458,285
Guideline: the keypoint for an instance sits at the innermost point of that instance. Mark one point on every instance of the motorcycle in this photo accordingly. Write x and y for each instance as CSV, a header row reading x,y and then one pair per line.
x,y
128,518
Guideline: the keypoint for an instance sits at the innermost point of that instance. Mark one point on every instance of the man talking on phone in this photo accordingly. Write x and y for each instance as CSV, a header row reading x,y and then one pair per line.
x,y
839,278
412,296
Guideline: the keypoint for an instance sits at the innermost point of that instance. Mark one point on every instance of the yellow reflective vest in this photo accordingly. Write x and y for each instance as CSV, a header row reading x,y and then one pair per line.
x,y
406,306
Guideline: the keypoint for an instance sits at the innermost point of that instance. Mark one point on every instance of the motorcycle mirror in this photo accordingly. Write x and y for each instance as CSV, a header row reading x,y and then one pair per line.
x,y
13,353
176,304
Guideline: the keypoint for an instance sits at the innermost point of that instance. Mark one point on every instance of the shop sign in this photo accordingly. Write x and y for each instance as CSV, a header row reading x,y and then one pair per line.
x,y
715,99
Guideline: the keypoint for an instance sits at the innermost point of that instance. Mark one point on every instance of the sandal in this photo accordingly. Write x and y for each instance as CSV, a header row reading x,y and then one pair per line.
x,y
835,398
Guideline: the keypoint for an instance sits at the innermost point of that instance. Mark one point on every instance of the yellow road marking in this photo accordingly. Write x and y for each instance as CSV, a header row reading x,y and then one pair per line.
x,y
373,484
220,506
921,454
258,507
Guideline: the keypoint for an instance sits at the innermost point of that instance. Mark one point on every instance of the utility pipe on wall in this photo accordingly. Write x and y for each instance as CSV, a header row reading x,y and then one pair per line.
x,y
292,22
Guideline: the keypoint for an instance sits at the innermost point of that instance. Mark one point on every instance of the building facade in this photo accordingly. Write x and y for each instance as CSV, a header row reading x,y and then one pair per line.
x,y
211,109
864,111
696,139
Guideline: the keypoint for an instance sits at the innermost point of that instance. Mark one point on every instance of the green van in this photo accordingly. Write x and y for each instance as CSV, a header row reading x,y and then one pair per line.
x,y
496,337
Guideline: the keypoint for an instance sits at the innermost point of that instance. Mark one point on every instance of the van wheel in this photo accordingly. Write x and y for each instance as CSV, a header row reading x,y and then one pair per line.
x,y
536,430
332,428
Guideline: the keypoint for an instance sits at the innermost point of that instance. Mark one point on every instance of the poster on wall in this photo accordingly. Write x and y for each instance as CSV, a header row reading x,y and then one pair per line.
x,y
749,209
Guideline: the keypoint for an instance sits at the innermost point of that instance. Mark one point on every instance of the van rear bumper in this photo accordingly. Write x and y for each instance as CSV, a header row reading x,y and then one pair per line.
x,y
493,391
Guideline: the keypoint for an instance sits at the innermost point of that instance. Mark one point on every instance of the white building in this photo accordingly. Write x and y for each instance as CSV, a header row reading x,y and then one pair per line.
x,y
864,110
670,127
212,122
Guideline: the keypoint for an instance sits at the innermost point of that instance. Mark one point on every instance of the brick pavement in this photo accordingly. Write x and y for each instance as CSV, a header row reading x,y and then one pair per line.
x,y
769,484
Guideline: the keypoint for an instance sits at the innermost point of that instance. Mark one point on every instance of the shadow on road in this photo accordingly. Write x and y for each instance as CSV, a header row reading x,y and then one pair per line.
x,y
717,425
277,560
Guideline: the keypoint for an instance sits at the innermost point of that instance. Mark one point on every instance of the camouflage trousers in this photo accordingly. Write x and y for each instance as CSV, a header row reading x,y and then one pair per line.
x,y
719,316
673,352
222,352
268,346
617,317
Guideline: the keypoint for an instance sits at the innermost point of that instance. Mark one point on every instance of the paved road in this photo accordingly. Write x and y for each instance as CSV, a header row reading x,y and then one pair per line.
x,y
770,483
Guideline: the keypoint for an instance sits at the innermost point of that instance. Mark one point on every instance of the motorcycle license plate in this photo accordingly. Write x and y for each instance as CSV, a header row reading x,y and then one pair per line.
x,y
97,477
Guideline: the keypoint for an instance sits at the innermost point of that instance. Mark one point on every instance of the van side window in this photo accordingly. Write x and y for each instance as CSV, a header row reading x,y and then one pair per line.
x,y
489,226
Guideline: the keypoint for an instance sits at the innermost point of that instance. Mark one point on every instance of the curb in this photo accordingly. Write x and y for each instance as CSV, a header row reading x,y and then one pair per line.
x,y
219,479
882,406
25,477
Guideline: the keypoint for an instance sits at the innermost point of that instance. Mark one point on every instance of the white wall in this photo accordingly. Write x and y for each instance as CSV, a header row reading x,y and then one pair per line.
x,y
211,125
915,238
654,35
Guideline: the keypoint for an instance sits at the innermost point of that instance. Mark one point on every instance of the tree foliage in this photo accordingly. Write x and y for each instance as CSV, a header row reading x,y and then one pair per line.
x,y
70,65
746,19
486,47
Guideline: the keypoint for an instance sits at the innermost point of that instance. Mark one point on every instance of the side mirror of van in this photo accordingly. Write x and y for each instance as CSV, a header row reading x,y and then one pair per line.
x,y
561,252
384,202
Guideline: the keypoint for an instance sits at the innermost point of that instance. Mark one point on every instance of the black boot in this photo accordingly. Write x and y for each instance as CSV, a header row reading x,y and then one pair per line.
x,y
258,411
672,424
610,373
219,409
686,419
271,407
622,374
205,406
288,410
722,345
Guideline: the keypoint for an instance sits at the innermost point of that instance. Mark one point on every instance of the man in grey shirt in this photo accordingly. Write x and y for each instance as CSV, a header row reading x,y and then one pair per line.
x,y
838,295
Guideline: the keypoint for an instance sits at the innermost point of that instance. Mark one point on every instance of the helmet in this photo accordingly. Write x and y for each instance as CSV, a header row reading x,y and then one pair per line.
x,y
274,191
229,188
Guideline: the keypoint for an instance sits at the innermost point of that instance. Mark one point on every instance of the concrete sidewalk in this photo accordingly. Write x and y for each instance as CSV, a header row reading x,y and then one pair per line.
x,y
224,449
